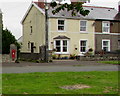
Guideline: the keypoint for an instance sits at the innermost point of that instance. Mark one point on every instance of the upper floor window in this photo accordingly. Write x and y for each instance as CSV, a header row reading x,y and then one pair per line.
x,y
106,26
61,25
83,25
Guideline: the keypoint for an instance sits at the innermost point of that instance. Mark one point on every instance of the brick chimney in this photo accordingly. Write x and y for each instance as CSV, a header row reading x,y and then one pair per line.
x,y
41,3
75,1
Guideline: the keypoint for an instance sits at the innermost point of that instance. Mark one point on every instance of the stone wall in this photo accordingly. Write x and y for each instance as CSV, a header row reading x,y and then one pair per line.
x,y
30,56
6,58
100,57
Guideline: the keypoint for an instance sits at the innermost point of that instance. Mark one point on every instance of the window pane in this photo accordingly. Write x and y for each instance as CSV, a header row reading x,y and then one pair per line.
x,y
105,43
64,49
82,28
60,27
106,24
64,42
58,42
64,45
83,43
61,22
82,23
83,49
105,29
58,49
105,48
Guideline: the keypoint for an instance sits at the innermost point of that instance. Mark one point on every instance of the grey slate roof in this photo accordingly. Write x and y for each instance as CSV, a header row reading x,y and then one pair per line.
x,y
95,13
20,39
117,17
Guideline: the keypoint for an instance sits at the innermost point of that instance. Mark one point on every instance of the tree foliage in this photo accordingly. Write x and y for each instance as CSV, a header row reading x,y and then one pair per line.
x,y
73,7
7,39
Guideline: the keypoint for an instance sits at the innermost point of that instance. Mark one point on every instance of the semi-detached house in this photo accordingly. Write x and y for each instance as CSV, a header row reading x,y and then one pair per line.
x,y
71,34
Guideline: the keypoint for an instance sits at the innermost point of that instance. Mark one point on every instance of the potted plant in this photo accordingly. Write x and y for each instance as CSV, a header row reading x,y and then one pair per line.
x,y
90,51
72,56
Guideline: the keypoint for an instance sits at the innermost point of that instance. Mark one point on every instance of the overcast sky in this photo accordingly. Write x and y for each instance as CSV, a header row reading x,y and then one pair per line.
x,y
14,10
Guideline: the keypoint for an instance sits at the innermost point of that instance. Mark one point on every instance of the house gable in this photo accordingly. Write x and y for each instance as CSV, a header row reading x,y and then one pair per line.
x,y
33,28
27,12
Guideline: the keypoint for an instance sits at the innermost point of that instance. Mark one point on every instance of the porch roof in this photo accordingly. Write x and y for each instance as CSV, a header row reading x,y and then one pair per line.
x,y
61,37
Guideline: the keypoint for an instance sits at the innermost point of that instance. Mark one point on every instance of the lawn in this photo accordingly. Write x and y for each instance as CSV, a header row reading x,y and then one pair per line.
x,y
0,83
100,82
110,62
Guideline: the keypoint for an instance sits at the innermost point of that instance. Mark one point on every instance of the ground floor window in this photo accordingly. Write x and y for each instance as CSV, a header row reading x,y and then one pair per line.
x,y
61,46
83,46
106,45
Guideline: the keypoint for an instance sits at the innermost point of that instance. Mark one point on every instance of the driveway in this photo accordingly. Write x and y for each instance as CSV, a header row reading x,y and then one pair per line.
x,y
57,66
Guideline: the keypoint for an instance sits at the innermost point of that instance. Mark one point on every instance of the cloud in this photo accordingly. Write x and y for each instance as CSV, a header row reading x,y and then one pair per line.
x,y
15,1
13,13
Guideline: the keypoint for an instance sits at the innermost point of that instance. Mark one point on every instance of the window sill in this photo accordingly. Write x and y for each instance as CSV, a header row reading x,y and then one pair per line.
x,y
61,31
83,32
106,32
62,53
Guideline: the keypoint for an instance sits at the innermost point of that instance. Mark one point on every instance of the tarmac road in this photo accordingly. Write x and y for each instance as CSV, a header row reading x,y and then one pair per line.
x,y
57,66
28,69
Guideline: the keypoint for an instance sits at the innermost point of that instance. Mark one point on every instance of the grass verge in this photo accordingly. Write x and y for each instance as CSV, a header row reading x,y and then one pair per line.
x,y
100,82
110,62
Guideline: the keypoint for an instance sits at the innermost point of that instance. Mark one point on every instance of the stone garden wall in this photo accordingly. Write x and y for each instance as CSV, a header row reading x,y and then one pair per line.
x,y
5,58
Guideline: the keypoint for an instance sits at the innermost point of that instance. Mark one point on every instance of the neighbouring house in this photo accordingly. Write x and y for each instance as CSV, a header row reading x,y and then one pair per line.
x,y
107,29
70,34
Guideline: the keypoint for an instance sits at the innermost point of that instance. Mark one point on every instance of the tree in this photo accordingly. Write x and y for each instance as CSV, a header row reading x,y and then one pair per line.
x,y
73,7
7,39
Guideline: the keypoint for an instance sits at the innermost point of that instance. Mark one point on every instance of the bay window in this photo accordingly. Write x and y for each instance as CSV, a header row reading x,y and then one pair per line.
x,y
61,46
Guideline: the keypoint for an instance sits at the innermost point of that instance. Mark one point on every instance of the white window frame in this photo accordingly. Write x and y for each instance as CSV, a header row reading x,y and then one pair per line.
x,y
61,45
83,26
61,25
86,45
108,44
106,26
